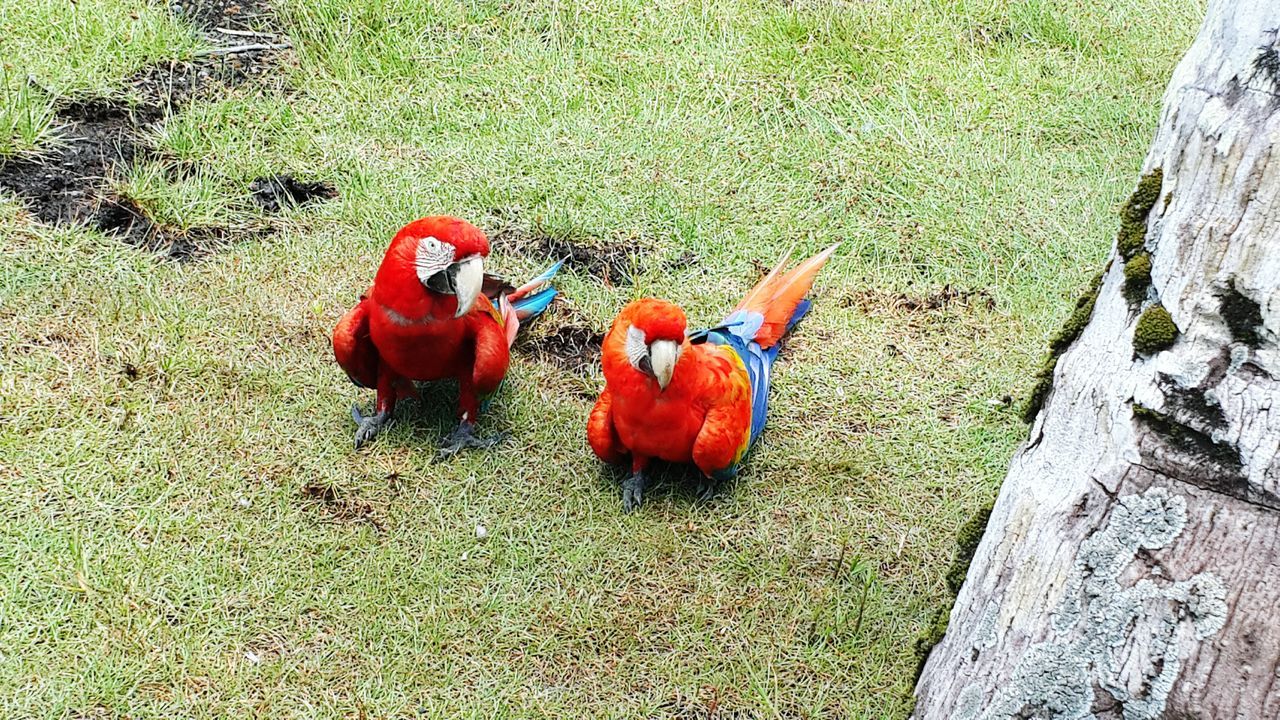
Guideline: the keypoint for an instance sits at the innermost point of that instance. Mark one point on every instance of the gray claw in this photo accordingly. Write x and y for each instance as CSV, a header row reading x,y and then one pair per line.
x,y
464,437
707,490
368,426
633,492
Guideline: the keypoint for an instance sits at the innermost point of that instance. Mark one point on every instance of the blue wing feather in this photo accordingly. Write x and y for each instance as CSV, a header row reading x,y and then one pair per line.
x,y
535,303
547,274
738,332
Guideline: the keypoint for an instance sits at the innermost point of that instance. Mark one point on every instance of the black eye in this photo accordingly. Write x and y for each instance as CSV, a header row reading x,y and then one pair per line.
x,y
646,365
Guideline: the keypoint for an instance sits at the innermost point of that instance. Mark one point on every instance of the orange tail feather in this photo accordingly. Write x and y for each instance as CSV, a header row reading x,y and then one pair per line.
x,y
779,293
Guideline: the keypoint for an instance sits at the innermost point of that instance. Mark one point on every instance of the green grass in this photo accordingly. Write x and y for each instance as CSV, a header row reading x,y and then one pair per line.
x,y
157,556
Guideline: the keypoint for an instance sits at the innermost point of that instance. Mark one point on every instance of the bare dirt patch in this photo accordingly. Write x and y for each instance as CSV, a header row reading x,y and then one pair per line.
x,y
127,220
60,186
611,263
278,192
871,301
612,258
240,15
100,138
71,182
571,347
341,509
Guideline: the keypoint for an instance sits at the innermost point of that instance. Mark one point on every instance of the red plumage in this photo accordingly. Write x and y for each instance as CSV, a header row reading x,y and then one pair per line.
x,y
402,330
670,399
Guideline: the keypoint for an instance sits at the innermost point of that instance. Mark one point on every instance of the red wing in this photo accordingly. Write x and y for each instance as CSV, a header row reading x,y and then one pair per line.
x,y
726,431
491,352
353,347
601,435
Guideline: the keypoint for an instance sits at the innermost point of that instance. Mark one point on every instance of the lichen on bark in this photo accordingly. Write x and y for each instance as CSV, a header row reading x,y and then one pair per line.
x,y
1061,677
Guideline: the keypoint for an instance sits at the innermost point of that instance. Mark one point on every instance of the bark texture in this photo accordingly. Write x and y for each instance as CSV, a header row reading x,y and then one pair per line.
x,y
1131,566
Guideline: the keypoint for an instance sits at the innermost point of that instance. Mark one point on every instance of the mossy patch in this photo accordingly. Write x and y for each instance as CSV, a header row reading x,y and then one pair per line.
x,y
1040,390
1133,217
1130,238
1070,330
966,545
1242,315
1137,277
1155,331
931,636
1080,315
967,539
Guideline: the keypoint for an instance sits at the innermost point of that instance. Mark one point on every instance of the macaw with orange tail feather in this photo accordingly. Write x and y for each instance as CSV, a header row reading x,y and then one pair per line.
x,y
696,397
432,314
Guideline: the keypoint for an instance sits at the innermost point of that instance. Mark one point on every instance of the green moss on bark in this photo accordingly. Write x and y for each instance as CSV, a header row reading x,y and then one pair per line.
x,y
1079,318
1242,315
1155,331
966,545
1133,217
1137,277
932,635
967,539
1070,330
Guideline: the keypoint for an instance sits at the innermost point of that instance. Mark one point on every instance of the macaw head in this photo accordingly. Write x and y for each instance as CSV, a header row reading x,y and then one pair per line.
x,y
446,257
654,337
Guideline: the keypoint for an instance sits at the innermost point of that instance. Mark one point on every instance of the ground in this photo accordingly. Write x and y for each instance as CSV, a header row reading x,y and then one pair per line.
x,y
186,529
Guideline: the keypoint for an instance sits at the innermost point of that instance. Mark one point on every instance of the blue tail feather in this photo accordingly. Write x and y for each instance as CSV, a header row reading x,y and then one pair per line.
x,y
547,274
535,303
738,331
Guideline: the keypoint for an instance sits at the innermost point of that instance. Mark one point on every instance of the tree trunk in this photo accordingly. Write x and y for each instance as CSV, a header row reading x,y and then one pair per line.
x,y
1131,565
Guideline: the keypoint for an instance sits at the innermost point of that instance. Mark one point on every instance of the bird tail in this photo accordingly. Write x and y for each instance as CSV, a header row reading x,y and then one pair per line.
x,y
528,301
535,296
779,299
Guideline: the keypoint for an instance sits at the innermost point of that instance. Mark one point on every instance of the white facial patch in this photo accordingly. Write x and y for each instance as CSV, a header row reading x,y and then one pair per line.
x,y
432,257
636,348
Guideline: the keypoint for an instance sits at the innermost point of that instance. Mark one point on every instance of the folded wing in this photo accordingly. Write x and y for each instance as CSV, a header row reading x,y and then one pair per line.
x,y
354,348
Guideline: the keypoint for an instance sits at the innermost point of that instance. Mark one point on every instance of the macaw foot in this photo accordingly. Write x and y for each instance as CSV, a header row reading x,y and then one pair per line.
x,y
369,426
633,492
464,437
707,489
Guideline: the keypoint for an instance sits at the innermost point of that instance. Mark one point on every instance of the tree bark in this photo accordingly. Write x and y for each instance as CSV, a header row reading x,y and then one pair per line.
x,y
1131,565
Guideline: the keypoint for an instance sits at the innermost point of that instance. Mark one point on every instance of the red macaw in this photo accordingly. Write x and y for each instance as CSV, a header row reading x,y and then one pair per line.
x,y
696,397
431,314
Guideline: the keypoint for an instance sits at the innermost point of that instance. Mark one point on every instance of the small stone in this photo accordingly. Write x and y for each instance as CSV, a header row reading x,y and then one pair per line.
x,y
482,532
243,502
252,657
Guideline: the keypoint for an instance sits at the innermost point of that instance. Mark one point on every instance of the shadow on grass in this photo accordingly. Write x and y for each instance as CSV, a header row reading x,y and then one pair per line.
x,y
673,483
421,423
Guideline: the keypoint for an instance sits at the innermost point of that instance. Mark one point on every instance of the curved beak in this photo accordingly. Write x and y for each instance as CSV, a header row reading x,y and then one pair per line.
x,y
468,281
662,358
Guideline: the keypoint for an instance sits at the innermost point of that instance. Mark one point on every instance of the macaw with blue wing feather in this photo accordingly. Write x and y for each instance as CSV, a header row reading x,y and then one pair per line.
x,y
699,397
432,314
